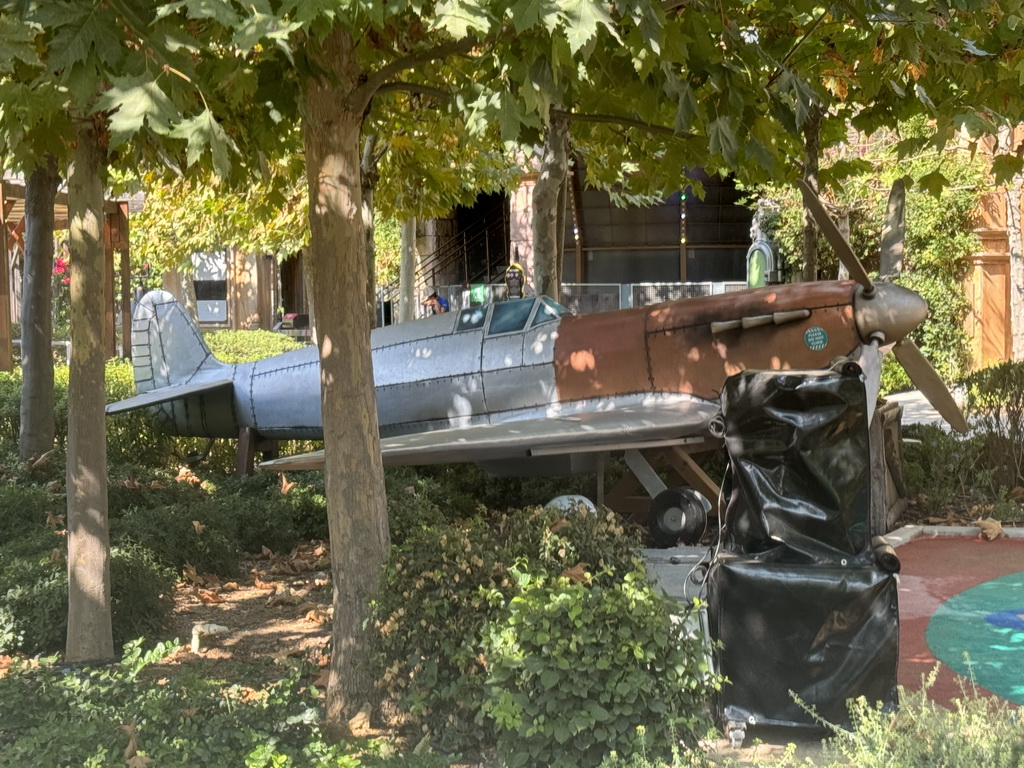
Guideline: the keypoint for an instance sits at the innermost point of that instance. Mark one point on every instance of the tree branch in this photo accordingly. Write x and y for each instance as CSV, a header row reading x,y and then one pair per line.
x,y
662,130
380,78
792,51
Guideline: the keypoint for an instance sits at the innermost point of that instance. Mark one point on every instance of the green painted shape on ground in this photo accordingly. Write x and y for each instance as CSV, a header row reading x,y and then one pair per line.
x,y
962,638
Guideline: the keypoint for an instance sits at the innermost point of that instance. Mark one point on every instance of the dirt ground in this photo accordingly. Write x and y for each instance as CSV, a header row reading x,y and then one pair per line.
x,y
279,606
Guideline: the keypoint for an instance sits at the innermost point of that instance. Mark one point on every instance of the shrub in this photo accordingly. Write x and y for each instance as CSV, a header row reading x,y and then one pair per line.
x,y
576,667
249,346
172,536
974,730
34,598
938,467
59,716
995,406
446,588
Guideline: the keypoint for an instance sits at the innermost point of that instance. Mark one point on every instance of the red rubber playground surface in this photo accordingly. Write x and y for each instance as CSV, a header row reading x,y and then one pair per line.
x,y
962,605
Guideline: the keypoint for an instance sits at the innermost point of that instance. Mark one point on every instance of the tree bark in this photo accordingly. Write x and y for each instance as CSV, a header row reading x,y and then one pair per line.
x,y
89,612
547,194
812,151
353,473
407,273
368,173
37,427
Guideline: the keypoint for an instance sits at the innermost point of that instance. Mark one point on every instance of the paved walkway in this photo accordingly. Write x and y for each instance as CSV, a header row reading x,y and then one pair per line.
x,y
962,604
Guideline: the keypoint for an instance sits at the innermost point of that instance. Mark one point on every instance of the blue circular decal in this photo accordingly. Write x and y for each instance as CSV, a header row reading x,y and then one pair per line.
x,y
816,338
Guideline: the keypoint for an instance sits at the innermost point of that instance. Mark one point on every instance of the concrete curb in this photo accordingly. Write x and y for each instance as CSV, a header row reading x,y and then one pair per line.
x,y
908,533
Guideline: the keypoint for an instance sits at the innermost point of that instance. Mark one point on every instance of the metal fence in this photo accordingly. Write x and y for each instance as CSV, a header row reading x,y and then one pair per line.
x,y
580,298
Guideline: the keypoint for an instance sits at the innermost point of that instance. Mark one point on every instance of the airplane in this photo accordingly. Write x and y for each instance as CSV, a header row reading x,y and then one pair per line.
x,y
524,387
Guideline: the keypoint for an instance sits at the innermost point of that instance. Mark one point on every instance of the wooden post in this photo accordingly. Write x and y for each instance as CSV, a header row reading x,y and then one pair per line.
x,y
126,281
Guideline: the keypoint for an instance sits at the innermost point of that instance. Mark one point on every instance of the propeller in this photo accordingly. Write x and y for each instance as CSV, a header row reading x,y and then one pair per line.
x,y
886,307
835,238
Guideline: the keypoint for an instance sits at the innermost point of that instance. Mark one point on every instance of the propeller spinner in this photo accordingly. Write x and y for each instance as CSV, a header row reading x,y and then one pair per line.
x,y
887,313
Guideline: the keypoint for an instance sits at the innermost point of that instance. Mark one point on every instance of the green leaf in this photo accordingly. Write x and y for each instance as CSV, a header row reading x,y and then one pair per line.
x,y
133,101
526,14
583,17
458,17
202,132
933,183
970,47
722,139
1006,167
265,27
16,44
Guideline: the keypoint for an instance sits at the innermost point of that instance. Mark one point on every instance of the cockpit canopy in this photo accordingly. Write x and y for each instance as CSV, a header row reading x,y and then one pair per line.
x,y
512,316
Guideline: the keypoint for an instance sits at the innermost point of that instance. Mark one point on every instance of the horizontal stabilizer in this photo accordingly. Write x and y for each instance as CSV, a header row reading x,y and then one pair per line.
x,y
166,394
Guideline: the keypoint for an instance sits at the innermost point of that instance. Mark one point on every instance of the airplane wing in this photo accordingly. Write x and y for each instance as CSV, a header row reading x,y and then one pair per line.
x,y
166,394
609,430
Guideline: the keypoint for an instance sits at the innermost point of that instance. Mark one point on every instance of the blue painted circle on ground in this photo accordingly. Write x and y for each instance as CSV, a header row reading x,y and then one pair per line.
x,y
816,338
980,634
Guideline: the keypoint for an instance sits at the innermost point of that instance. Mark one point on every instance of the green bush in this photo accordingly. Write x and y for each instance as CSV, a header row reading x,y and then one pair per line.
x,y
995,407
34,598
576,667
938,467
249,346
974,730
448,587
58,716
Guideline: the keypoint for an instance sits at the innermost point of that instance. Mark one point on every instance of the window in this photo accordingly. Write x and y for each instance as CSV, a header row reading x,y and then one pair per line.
x,y
548,311
510,316
210,280
471,318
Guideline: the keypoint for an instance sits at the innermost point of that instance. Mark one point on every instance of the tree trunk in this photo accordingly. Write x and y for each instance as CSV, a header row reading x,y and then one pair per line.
x,y
812,150
37,429
548,192
368,174
407,273
1016,242
89,629
353,474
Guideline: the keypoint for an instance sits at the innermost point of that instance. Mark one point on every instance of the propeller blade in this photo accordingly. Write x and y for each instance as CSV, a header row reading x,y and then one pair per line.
x,y
835,237
891,256
927,380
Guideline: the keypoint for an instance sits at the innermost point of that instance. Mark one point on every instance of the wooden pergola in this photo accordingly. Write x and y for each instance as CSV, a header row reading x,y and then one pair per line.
x,y
115,237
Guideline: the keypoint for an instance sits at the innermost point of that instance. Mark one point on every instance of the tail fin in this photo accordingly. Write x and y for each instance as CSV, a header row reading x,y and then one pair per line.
x,y
167,348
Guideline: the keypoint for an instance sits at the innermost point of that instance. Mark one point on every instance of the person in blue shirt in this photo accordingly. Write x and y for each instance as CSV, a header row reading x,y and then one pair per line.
x,y
436,304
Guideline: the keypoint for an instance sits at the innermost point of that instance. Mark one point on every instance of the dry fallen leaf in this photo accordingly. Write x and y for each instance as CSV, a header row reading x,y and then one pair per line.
x,y
54,522
186,475
129,728
156,485
189,572
139,761
54,486
285,485
990,529
231,586
207,596
199,527
577,574
261,584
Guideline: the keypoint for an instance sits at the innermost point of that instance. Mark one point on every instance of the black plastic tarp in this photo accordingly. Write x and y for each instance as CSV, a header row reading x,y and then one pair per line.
x,y
795,596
